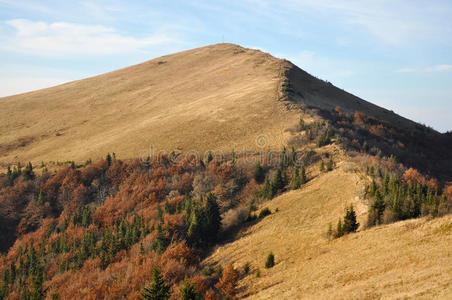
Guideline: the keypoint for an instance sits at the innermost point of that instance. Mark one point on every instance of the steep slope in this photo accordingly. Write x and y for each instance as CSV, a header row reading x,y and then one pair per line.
x,y
215,97
410,259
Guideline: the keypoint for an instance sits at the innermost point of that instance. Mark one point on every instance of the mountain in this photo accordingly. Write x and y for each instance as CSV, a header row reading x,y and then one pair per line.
x,y
108,189
216,97
219,97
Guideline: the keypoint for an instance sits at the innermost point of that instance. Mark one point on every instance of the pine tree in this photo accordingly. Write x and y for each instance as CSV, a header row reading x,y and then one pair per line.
x,y
209,157
296,180
330,165
303,175
379,207
28,172
188,291
259,173
270,262
158,289
108,159
267,190
9,175
350,223
339,229
278,181
213,216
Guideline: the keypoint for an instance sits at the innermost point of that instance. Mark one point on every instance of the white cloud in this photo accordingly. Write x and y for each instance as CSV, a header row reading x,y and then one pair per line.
x,y
62,38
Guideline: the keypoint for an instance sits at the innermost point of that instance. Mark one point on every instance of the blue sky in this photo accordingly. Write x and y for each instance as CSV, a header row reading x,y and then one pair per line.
x,y
397,54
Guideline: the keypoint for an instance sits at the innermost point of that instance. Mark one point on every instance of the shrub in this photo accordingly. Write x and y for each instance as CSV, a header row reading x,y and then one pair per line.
x,y
265,212
246,268
270,262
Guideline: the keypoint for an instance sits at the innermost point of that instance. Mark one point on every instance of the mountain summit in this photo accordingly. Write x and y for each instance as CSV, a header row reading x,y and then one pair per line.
x,y
219,97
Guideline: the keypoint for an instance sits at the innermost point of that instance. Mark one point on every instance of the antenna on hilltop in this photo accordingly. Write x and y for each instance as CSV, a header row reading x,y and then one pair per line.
x,y
222,38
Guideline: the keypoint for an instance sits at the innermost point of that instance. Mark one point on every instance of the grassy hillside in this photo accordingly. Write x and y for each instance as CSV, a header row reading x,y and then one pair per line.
x,y
215,97
410,259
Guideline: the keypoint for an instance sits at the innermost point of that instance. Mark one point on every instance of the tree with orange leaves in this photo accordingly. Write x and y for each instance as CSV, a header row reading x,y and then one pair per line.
x,y
412,176
228,282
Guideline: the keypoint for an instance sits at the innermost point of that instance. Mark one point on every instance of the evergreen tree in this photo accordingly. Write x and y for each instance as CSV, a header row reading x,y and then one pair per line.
x,y
270,262
28,172
158,289
303,175
108,158
339,229
213,216
350,223
378,207
278,181
330,165
267,190
209,157
259,173
296,180
9,175
188,291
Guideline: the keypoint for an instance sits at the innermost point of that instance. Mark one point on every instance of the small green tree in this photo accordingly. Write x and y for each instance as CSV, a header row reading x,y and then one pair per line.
x,y
330,165
270,262
188,291
278,181
158,289
339,228
267,190
28,172
322,166
259,173
350,223
108,158
209,157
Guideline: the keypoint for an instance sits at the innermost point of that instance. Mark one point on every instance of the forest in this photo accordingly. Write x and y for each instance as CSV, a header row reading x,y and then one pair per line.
x,y
135,228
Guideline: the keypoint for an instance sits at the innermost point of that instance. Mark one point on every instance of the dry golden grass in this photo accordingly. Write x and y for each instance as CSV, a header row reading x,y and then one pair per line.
x,y
410,259
218,97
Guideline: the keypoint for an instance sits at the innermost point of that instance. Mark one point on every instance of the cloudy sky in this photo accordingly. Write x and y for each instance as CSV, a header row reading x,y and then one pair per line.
x,y
397,54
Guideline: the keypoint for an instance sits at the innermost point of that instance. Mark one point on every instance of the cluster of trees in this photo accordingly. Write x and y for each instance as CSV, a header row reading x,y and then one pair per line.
x,y
317,130
95,221
403,197
346,225
417,146
280,181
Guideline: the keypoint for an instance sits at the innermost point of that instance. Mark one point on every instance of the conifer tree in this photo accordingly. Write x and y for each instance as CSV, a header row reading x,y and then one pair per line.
x,y
188,291
158,289
339,229
108,158
267,190
350,223
28,172
278,181
209,157
296,180
270,262
330,165
259,173
213,216
303,175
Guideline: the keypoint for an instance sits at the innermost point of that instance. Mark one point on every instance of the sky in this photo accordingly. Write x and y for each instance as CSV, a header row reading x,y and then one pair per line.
x,y
394,53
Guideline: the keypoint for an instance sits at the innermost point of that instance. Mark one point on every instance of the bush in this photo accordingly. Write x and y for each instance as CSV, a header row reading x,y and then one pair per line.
x,y
270,262
265,212
246,268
